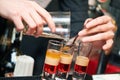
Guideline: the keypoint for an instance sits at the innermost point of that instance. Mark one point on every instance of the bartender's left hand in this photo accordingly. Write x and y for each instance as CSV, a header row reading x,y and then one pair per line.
x,y
100,28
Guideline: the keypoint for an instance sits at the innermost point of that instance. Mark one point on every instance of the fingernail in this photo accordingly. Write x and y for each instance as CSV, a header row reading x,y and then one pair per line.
x,y
53,30
87,26
81,33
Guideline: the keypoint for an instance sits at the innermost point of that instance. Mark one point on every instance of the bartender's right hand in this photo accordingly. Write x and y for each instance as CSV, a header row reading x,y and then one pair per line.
x,y
27,11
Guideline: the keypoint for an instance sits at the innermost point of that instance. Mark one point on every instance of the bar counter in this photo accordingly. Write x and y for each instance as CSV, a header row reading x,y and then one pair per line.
x,y
88,77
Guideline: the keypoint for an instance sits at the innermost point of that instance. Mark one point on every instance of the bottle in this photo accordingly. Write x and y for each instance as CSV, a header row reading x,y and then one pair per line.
x,y
12,55
99,8
94,9
5,43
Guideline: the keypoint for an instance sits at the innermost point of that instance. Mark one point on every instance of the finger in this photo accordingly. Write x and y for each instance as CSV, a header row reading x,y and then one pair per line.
x,y
99,36
18,23
87,20
107,47
98,21
38,31
46,16
37,18
100,28
31,24
97,29
83,32
108,44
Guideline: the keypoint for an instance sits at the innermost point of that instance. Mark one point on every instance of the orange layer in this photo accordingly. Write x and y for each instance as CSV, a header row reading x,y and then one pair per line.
x,y
53,53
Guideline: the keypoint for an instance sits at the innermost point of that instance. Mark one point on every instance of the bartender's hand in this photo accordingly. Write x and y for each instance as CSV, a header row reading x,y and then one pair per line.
x,y
27,11
101,28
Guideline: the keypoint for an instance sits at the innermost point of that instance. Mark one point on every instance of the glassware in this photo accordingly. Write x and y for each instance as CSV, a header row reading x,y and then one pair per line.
x,y
24,66
65,62
82,61
62,22
52,59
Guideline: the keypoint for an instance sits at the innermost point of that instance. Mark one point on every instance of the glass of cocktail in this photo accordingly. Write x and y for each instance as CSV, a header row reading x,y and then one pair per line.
x,y
82,61
65,62
52,59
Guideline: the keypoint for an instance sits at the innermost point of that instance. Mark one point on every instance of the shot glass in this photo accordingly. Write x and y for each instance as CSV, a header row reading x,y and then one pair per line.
x,y
52,59
65,63
82,61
